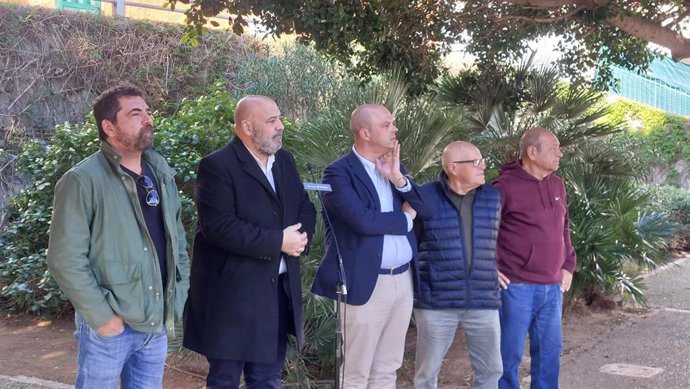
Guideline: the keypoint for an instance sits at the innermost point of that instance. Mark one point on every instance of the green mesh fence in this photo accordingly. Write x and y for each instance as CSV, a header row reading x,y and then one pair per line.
x,y
665,85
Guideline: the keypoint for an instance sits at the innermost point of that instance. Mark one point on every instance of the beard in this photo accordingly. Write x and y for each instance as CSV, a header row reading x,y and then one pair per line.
x,y
267,146
141,141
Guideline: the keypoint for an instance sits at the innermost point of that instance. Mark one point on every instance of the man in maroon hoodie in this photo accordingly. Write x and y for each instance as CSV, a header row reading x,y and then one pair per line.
x,y
534,252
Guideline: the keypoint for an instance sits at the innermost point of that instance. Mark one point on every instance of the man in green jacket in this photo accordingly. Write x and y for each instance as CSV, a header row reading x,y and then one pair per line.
x,y
118,250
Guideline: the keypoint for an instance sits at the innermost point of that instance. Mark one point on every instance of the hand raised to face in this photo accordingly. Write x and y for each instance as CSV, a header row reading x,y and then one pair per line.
x,y
388,165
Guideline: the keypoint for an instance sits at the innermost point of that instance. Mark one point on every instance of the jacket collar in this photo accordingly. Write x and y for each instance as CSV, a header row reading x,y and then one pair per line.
x,y
155,160
358,169
251,167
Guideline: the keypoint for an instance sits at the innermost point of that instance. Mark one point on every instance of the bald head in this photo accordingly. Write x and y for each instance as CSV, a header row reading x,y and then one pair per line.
x,y
533,137
458,151
363,116
258,125
540,152
458,162
248,107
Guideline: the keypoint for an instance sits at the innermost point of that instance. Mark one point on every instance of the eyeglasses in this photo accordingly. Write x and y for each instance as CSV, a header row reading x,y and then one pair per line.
x,y
475,162
152,198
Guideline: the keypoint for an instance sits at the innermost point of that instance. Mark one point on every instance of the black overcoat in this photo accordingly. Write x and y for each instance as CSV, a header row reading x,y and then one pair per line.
x,y
232,312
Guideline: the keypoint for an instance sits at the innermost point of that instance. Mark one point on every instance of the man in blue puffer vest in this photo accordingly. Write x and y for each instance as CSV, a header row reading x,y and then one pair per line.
x,y
457,280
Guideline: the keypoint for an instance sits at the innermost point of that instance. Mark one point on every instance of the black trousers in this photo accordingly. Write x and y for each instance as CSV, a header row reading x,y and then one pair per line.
x,y
226,373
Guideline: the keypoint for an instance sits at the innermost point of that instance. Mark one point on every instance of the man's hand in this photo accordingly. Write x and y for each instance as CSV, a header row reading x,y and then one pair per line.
x,y
503,281
294,241
112,327
407,208
388,165
566,281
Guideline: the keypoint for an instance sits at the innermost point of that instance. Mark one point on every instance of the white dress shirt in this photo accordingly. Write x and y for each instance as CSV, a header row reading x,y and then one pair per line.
x,y
396,248
269,175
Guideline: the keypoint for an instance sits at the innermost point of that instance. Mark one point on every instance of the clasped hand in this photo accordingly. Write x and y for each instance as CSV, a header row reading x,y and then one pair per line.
x,y
294,241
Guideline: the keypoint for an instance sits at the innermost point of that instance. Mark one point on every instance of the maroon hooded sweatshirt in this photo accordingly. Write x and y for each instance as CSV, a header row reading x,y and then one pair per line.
x,y
534,237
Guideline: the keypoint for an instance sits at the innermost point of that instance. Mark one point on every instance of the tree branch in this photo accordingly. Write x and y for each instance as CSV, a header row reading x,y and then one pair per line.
x,y
637,26
541,3
546,20
652,32
679,18
547,4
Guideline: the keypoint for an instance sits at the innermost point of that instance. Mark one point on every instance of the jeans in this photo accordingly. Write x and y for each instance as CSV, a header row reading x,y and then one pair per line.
x,y
534,309
435,334
135,359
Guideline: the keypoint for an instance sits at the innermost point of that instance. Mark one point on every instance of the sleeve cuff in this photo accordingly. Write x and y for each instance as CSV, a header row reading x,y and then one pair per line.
x,y
405,188
410,223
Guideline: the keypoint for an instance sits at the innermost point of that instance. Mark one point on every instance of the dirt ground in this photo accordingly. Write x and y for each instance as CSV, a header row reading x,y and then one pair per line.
x,y
46,349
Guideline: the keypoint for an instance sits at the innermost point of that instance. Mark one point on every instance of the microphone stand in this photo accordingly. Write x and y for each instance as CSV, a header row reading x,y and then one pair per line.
x,y
340,289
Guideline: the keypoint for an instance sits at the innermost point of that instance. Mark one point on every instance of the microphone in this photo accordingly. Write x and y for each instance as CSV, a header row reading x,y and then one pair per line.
x,y
342,281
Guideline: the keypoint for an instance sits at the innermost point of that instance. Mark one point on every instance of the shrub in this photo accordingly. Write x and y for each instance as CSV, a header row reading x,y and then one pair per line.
x,y
298,78
639,118
609,226
676,203
26,284
56,62
674,200
424,129
612,227
657,140
201,125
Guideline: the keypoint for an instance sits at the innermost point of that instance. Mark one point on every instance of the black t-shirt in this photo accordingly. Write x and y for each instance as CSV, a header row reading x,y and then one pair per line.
x,y
153,215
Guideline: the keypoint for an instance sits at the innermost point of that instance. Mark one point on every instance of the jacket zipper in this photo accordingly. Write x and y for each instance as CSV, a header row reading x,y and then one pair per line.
x,y
151,248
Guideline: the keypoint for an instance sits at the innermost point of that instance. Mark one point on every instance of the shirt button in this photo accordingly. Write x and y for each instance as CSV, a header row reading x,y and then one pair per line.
x,y
150,287
153,323
146,249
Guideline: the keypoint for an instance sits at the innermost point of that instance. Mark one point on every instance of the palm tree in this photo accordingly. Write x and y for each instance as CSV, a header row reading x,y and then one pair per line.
x,y
612,233
425,127
610,227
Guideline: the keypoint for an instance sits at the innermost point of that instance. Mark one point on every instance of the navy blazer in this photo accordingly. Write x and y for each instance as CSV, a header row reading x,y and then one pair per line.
x,y
232,309
359,225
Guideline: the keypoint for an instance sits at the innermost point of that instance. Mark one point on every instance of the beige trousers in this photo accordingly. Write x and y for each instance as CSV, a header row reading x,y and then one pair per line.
x,y
375,334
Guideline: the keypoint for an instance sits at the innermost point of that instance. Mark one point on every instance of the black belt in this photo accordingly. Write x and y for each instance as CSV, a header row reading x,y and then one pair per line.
x,y
396,270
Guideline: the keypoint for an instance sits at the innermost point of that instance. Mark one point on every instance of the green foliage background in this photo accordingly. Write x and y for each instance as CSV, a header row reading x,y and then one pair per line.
x,y
56,62
659,140
491,109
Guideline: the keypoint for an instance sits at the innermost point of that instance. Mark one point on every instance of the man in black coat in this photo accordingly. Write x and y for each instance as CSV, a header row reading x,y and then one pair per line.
x,y
255,220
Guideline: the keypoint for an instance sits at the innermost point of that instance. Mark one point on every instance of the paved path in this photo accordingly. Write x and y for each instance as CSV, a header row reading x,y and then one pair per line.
x,y
21,382
656,342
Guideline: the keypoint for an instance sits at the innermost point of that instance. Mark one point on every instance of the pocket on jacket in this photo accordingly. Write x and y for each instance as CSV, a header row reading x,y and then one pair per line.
x,y
180,296
229,268
546,258
115,273
516,254
123,288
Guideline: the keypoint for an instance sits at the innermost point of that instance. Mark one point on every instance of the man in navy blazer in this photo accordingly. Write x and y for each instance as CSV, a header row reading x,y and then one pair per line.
x,y
255,220
371,207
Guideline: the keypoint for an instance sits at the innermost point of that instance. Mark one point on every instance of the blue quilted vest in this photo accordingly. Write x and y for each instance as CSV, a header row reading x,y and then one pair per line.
x,y
444,279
